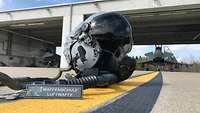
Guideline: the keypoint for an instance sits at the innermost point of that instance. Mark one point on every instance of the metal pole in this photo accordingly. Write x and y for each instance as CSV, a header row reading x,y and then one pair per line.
x,y
70,18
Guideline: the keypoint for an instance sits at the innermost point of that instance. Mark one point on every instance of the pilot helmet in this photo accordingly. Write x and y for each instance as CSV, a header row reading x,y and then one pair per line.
x,y
110,32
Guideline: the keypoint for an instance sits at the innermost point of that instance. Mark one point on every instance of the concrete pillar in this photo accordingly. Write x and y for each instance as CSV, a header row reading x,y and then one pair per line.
x,y
67,28
9,44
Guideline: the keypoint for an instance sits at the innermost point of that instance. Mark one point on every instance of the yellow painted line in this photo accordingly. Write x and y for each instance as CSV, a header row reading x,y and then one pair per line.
x,y
91,98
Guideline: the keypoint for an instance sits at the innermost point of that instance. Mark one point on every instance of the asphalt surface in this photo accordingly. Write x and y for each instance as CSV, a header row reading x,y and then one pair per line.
x,y
140,100
170,92
180,93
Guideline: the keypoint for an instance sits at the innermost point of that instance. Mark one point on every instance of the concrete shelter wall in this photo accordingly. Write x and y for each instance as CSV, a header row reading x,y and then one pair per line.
x,y
22,52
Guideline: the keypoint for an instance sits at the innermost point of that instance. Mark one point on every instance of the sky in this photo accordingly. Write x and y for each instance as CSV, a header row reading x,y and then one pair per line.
x,y
18,4
185,53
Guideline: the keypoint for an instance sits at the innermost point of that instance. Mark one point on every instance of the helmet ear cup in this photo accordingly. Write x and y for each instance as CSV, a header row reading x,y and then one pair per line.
x,y
85,27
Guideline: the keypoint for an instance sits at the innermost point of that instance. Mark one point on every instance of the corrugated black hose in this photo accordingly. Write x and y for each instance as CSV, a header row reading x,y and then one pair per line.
x,y
87,81
102,79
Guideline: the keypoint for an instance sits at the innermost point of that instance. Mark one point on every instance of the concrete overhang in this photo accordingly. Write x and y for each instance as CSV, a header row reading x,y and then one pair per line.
x,y
166,23
48,30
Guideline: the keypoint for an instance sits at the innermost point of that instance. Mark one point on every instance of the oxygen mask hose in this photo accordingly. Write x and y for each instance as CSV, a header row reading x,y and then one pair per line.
x,y
10,82
87,81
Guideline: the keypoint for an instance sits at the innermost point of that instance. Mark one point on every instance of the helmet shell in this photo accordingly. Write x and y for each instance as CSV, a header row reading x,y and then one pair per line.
x,y
111,30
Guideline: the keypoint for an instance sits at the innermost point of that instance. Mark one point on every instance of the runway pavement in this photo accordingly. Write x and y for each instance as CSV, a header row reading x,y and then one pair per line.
x,y
92,98
180,93
169,92
140,100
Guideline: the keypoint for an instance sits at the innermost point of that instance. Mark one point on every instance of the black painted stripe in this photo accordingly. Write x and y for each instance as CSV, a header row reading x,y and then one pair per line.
x,y
140,100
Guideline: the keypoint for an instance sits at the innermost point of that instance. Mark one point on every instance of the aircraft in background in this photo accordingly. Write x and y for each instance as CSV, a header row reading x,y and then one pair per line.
x,y
159,57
